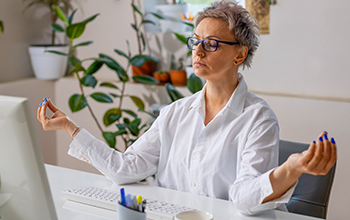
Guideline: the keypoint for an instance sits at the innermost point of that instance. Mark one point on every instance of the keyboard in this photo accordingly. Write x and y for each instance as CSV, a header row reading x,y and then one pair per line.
x,y
107,199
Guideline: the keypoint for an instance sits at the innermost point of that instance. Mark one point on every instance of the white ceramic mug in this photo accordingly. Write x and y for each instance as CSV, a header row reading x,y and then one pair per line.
x,y
194,214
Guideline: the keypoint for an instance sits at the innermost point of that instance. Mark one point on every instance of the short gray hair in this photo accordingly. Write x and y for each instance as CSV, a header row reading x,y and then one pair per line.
x,y
241,23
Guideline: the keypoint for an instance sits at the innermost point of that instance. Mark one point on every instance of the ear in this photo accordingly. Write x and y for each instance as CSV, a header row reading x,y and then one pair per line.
x,y
241,55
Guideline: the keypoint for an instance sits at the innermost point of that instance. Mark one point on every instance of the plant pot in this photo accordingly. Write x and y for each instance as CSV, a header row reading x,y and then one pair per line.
x,y
178,77
146,69
173,21
163,78
47,65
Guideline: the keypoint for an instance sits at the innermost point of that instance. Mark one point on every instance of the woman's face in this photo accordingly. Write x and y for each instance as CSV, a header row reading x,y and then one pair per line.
x,y
216,65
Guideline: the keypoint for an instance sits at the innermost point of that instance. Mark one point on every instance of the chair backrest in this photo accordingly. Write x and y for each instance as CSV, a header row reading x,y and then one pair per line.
x,y
312,193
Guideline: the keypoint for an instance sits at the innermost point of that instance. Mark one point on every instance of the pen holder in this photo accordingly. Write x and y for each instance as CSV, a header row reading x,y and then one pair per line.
x,y
125,213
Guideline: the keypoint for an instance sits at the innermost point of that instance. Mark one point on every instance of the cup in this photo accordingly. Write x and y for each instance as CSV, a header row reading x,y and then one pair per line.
x,y
194,214
125,213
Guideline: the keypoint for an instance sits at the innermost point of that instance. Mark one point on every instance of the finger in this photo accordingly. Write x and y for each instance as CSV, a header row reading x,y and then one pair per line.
x,y
317,155
308,154
327,153
38,112
43,112
333,158
51,106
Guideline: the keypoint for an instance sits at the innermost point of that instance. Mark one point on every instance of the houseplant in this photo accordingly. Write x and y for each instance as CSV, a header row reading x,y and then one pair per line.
x,y
128,129
146,64
45,65
178,75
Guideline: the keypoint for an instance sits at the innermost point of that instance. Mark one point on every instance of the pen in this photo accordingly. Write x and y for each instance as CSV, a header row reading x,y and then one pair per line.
x,y
122,196
139,203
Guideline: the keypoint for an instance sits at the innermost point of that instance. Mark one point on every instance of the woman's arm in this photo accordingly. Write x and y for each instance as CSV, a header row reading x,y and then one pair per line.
x,y
317,160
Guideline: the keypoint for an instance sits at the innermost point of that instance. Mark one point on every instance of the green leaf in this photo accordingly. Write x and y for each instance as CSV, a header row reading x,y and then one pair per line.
x,y
143,42
90,18
126,121
77,102
173,93
138,102
84,44
57,52
93,68
76,69
139,60
136,121
144,79
89,81
133,128
70,19
121,126
110,138
134,27
130,113
110,85
181,38
112,64
120,132
111,116
158,16
148,21
1,27
101,97
73,61
75,30
194,83
114,95
121,53
149,113
137,9
61,15
57,27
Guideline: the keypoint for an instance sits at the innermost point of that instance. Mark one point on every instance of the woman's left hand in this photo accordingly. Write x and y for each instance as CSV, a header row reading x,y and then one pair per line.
x,y
317,160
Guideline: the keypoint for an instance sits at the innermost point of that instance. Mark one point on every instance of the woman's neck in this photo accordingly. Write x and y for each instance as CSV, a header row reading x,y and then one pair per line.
x,y
217,95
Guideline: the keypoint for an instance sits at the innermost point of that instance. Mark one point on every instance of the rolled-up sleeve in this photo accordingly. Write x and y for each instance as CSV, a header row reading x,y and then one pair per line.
x,y
259,158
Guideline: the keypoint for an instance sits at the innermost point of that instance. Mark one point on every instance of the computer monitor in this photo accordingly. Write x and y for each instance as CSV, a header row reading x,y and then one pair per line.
x,y
24,191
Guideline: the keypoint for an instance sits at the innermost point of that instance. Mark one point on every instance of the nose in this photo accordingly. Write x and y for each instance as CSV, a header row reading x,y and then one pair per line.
x,y
199,51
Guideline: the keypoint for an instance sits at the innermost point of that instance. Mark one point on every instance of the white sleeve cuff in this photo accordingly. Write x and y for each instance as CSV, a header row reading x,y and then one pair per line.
x,y
80,144
266,190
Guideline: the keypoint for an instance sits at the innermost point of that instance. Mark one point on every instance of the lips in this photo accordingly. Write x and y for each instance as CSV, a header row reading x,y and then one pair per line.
x,y
199,64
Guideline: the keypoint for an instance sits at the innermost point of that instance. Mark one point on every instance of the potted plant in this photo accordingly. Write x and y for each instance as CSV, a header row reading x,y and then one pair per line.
x,y
48,66
162,76
128,129
145,65
178,75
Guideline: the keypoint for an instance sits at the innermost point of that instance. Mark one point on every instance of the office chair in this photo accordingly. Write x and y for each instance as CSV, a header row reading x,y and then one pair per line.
x,y
312,193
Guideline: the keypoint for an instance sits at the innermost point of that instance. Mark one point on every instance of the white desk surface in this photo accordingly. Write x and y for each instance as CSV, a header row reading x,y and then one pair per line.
x,y
64,178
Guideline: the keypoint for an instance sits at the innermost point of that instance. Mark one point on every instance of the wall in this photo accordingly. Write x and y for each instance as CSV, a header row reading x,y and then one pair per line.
x,y
22,28
300,70
35,90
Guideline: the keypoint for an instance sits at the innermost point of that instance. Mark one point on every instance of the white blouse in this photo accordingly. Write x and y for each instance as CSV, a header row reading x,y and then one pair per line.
x,y
229,158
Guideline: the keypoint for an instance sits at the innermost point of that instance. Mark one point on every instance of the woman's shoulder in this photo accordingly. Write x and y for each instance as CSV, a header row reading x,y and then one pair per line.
x,y
256,103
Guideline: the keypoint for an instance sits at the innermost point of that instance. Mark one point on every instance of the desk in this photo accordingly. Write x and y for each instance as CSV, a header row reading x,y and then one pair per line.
x,y
64,178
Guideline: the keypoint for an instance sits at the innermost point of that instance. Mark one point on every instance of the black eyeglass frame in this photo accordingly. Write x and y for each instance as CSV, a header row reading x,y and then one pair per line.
x,y
217,43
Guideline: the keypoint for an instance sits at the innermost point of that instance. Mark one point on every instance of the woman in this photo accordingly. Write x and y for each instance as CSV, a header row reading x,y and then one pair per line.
x,y
221,142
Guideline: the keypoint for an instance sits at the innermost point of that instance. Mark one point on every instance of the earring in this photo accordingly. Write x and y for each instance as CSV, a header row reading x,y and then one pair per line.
x,y
236,62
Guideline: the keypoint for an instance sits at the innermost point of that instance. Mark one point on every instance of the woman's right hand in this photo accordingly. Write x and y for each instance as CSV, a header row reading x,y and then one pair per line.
x,y
58,121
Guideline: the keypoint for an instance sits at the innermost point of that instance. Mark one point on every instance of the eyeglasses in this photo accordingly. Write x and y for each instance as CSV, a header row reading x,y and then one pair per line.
x,y
209,45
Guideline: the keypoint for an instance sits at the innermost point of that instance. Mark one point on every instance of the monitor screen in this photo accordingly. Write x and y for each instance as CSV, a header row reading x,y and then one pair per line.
x,y
24,192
